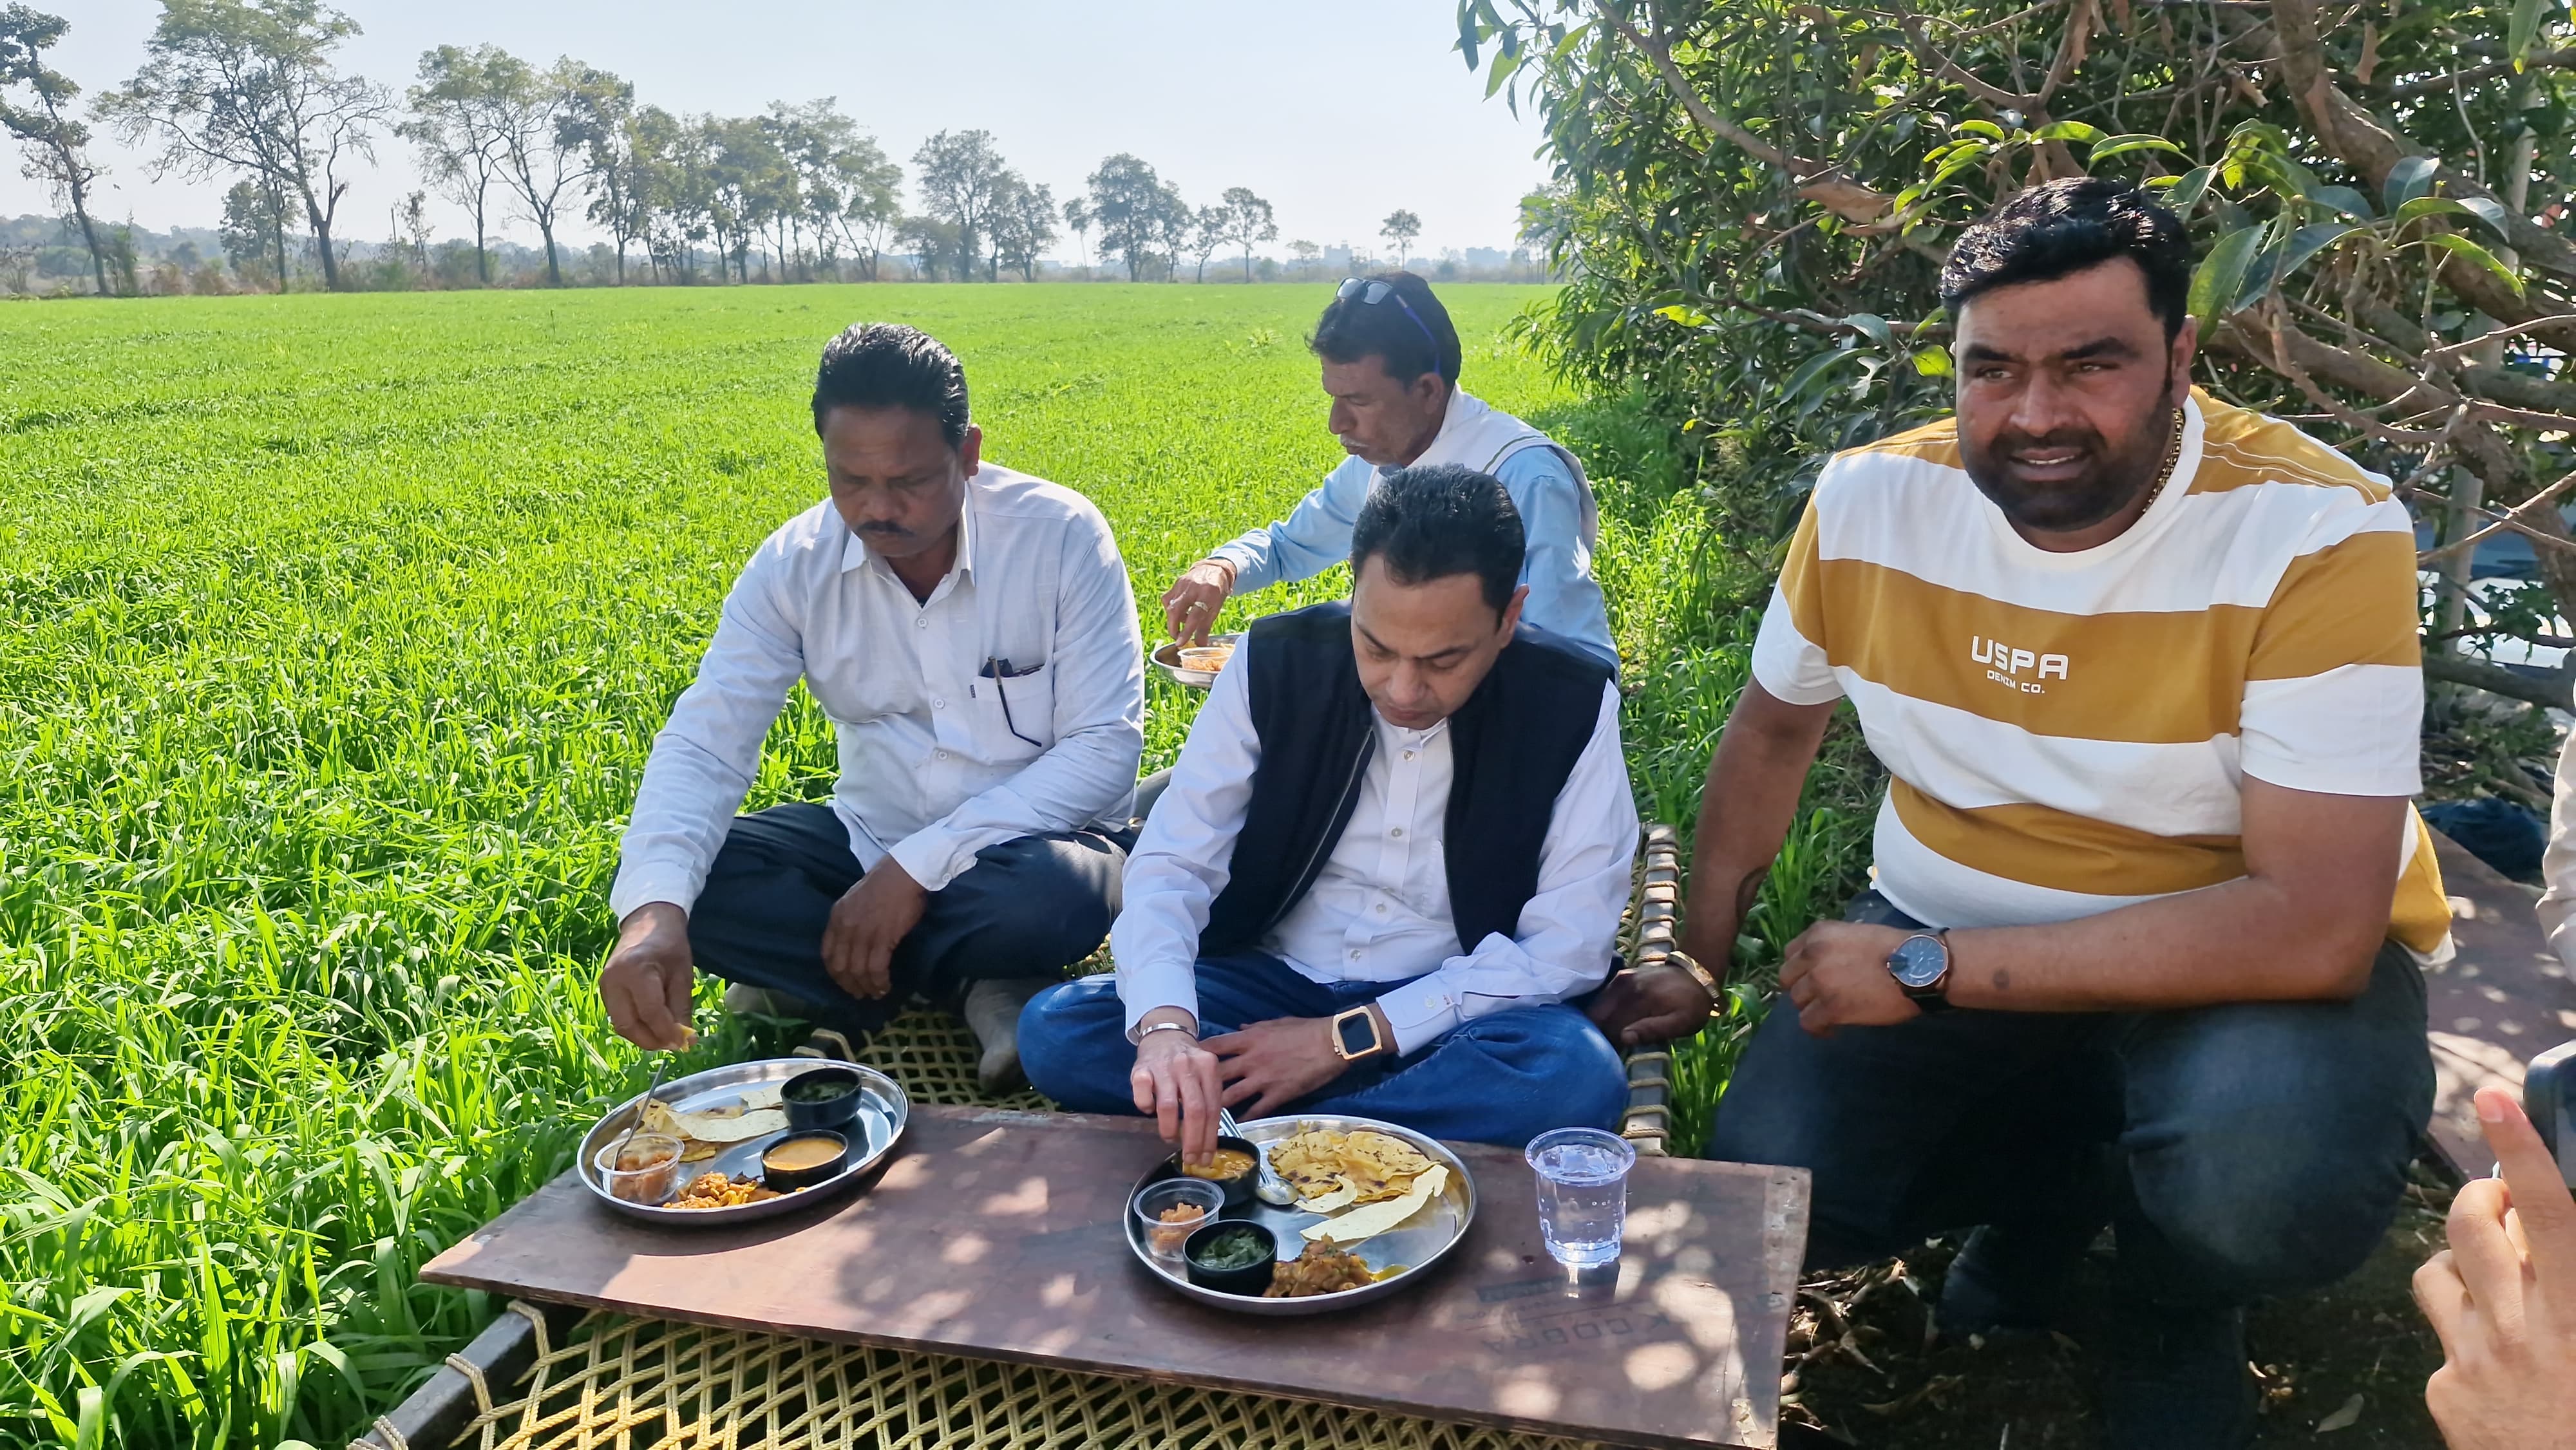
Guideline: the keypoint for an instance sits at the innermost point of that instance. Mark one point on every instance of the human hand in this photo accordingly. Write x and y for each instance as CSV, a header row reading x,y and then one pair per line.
x,y
645,985
1836,973
1269,1065
869,921
1175,1079
1659,1003
2502,1297
1190,606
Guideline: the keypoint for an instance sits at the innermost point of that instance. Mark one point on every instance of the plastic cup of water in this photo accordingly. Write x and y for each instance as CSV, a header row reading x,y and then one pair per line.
x,y
1582,1193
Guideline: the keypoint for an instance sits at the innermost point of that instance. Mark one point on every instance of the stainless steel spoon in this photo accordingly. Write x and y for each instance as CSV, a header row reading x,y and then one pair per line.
x,y
660,1062
1269,1187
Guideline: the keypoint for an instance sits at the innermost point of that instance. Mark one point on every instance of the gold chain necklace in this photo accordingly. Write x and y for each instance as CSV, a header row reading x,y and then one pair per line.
x,y
2173,456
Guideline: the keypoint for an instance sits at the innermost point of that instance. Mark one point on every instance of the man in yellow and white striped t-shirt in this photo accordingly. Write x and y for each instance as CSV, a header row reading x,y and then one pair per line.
x,y
2142,668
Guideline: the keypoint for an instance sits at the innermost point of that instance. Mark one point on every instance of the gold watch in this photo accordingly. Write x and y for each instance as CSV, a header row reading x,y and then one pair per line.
x,y
1355,1034
1684,960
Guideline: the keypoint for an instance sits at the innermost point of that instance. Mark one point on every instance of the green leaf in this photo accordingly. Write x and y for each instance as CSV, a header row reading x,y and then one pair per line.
x,y
2307,241
2345,200
2110,146
2488,211
2460,246
2259,276
1504,67
2186,193
2523,28
2222,272
1933,361
1871,326
2068,131
1686,316
1814,368
2410,178
2424,206
1987,129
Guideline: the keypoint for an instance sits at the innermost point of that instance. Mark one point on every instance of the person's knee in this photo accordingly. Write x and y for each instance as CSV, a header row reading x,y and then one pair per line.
x,y
2250,1201
1586,1083
1069,1037
1042,910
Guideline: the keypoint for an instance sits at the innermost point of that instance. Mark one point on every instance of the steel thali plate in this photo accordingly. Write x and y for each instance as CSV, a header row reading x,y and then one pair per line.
x,y
883,1111
1421,1242
1166,660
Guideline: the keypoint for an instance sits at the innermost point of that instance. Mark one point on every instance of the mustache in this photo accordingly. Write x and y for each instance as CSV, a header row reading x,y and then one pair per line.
x,y
892,531
2083,440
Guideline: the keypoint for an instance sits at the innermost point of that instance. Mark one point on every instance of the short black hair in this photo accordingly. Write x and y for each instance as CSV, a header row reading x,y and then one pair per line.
x,y
889,365
1409,344
2064,226
1441,519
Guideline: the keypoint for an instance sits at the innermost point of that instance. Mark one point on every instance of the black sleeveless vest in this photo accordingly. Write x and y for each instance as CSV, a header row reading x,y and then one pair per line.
x,y
1512,745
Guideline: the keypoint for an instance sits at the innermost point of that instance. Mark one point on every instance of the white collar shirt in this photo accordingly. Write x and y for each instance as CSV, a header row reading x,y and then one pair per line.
x,y
1379,908
1009,703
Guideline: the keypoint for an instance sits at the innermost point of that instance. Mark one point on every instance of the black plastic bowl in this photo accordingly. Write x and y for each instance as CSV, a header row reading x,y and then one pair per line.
x,y
830,1112
788,1180
1238,1189
1249,1280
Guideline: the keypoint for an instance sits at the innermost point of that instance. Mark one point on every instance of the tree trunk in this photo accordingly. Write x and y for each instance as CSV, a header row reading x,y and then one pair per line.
x,y
554,273
322,244
482,253
1247,266
89,229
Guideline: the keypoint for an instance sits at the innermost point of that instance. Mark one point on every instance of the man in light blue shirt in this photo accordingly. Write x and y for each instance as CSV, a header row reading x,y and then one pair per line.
x,y
1390,364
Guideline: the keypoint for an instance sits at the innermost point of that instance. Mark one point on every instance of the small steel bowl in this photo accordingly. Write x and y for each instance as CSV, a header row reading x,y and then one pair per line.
x,y
788,1180
1249,1280
829,1113
1238,1189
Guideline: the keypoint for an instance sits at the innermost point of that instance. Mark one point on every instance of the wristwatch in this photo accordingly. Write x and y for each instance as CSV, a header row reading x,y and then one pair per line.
x,y
1690,964
1355,1035
1921,966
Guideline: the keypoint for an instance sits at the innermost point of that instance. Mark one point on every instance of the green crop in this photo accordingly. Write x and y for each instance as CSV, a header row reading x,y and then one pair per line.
x,y
333,633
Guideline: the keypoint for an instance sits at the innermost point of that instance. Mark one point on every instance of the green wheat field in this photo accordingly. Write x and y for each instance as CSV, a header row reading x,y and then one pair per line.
x,y
333,634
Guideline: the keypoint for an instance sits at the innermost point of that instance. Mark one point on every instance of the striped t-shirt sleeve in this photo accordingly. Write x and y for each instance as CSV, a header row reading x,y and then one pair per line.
x,y
2334,687
1789,652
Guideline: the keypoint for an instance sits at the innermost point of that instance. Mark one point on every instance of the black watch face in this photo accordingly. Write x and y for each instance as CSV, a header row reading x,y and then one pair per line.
x,y
1918,961
1359,1034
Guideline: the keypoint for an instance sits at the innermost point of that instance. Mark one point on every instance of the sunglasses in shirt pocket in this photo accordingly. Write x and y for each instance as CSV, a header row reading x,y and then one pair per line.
x,y
1017,705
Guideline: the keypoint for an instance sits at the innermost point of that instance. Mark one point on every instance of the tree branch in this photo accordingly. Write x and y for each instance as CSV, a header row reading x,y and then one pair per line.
x,y
2497,680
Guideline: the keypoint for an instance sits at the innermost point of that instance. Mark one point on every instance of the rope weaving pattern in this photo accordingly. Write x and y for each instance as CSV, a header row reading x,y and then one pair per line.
x,y
637,1384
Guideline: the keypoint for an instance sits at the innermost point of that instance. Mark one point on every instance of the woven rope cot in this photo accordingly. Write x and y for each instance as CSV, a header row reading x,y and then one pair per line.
x,y
612,1382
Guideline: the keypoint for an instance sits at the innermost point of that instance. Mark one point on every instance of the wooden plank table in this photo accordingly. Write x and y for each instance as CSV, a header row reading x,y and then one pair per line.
x,y
999,1235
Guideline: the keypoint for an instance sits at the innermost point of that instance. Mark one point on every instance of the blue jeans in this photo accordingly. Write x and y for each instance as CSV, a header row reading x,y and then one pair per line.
x,y
1502,1078
2239,1150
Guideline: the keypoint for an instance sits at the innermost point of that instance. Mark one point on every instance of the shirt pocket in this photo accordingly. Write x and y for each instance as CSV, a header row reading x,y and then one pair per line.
x,y
1015,716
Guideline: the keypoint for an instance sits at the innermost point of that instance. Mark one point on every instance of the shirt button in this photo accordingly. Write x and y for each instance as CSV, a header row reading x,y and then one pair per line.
x,y
937,704
939,755
1408,755
1355,956
1381,908
1395,830
921,624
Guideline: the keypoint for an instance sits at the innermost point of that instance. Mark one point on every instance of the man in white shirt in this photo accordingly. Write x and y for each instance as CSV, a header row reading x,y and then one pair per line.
x,y
1391,360
971,634
1397,840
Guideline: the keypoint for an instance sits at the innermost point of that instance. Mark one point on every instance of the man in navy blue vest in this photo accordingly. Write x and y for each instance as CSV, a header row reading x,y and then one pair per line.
x,y
1397,841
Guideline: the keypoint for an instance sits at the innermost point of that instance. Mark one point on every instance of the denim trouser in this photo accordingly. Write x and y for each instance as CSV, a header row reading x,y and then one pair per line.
x,y
1504,1078
2240,1150
1028,907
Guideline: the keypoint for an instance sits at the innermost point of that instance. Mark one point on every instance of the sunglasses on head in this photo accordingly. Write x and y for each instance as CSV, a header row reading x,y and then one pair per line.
x,y
1371,293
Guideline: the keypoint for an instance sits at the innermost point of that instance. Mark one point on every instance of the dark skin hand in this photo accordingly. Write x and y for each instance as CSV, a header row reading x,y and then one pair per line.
x,y
1269,1065
645,986
869,921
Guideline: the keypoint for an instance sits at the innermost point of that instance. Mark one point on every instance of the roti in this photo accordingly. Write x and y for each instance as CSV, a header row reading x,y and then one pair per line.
x,y
1369,1221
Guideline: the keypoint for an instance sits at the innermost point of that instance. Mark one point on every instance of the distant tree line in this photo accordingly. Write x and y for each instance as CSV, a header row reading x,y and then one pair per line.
x,y
251,90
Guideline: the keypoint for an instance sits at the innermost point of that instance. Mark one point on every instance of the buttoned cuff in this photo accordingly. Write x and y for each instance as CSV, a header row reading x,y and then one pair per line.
x,y
640,886
1419,1011
933,856
1145,986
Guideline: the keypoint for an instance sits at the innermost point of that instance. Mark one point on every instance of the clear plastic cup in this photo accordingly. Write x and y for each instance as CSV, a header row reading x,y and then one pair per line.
x,y
1582,1193
1165,1237
653,1174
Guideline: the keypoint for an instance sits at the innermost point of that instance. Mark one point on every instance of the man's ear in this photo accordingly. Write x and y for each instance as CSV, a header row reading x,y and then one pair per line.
x,y
1430,390
1512,611
2186,347
970,451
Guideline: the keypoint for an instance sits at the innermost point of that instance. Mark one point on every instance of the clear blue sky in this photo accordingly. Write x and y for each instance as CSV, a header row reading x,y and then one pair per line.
x,y
1337,111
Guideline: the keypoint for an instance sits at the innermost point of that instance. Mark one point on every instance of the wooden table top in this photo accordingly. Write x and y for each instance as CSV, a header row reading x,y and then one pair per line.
x,y
1000,1235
